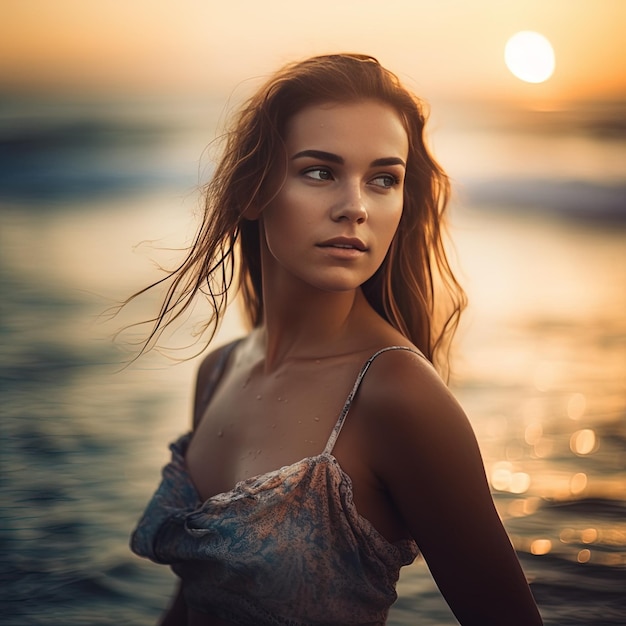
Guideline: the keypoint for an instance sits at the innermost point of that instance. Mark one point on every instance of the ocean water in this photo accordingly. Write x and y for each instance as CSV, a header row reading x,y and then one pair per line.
x,y
90,196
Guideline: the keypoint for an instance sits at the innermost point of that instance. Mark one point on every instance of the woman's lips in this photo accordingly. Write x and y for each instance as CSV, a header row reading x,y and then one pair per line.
x,y
344,243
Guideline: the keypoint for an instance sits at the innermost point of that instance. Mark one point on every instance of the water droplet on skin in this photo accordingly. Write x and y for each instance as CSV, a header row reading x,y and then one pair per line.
x,y
273,425
317,419
280,399
220,433
259,397
317,361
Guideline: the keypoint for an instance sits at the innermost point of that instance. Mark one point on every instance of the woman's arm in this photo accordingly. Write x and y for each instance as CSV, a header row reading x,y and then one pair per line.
x,y
426,455
176,613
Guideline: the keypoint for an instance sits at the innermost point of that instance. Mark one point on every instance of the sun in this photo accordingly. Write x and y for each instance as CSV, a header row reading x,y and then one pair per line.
x,y
529,56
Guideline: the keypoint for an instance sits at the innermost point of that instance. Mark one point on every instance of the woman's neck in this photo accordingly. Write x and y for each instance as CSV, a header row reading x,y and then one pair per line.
x,y
312,325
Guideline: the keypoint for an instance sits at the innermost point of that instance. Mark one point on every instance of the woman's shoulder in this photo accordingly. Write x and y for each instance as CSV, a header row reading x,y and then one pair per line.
x,y
211,366
212,359
416,432
403,385
400,364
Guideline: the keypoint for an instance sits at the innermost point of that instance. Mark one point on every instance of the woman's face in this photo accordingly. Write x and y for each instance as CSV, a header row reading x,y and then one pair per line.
x,y
334,218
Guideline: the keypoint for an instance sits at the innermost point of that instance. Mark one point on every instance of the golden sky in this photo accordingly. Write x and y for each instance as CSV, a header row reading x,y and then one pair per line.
x,y
445,48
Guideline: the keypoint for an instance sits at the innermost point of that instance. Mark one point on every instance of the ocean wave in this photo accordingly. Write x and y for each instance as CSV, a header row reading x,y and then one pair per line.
x,y
578,199
76,159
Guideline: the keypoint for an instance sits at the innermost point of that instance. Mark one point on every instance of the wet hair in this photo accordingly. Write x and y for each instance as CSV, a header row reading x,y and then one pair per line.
x,y
414,289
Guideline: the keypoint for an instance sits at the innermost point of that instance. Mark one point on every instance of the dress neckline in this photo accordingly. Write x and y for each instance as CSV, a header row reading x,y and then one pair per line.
x,y
201,505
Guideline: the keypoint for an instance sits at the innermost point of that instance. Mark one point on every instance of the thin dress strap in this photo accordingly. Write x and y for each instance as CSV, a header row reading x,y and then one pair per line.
x,y
346,407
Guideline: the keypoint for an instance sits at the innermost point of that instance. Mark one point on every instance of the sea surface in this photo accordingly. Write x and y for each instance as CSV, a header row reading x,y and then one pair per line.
x,y
94,195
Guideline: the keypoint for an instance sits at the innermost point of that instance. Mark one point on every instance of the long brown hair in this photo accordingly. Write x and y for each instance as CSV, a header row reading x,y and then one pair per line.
x,y
414,289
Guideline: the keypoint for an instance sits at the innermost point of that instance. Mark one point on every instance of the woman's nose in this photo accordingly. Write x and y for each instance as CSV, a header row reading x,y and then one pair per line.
x,y
351,205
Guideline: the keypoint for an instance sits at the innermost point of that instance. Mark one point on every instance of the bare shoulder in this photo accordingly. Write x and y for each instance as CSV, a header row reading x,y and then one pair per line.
x,y
209,361
405,387
205,371
416,427
419,439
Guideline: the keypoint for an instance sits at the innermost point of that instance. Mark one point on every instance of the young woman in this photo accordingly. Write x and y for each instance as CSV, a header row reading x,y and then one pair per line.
x,y
326,452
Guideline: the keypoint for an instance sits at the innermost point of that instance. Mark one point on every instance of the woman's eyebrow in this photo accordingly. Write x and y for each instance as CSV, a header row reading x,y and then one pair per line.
x,y
319,154
388,161
335,158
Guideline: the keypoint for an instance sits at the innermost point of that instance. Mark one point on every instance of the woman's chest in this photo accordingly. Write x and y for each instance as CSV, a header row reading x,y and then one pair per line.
x,y
256,424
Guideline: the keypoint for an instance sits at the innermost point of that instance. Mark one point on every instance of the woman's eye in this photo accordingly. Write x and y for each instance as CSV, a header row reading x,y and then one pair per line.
x,y
386,181
318,173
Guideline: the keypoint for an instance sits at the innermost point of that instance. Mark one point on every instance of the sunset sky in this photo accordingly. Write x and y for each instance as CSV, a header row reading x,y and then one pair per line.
x,y
446,48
